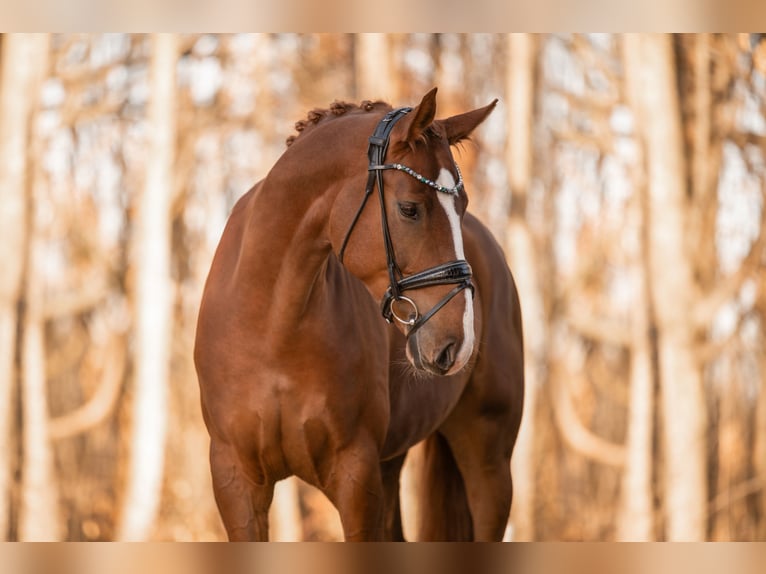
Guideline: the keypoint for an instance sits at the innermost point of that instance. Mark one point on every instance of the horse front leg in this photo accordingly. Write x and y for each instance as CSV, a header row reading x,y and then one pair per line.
x,y
482,454
356,489
243,504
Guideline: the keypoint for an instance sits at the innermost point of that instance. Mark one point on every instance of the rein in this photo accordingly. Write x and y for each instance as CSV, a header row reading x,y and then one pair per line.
x,y
456,272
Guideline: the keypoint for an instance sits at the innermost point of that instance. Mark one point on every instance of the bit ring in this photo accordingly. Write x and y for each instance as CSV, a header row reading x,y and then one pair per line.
x,y
412,319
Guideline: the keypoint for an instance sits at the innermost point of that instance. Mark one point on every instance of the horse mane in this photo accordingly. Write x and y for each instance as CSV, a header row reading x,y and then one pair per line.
x,y
336,109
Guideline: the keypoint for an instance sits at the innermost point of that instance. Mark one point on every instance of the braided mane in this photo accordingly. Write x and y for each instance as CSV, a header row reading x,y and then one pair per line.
x,y
336,109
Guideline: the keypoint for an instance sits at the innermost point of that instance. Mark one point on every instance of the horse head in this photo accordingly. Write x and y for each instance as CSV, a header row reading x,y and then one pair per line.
x,y
407,247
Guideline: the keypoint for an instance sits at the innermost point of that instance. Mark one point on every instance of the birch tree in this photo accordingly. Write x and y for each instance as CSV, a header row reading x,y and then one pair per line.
x,y
520,250
650,66
153,302
39,516
14,112
759,448
373,68
635,513
22,60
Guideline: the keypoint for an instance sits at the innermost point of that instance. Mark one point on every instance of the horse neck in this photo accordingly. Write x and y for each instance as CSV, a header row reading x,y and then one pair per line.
x,y
285,242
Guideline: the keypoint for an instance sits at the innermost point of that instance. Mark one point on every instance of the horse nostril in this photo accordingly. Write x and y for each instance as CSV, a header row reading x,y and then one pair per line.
x,y
446,358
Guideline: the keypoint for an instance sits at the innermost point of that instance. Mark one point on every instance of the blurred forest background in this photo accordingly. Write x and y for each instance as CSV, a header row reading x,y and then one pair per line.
x,y
624,176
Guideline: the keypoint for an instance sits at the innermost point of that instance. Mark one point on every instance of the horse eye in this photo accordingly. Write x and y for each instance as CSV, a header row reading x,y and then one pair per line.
x,y
409,210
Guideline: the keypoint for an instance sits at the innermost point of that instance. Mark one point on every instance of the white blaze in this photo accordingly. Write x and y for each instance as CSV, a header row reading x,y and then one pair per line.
x,y
448,203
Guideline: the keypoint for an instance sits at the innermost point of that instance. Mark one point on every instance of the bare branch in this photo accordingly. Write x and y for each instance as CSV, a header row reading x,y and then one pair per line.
x,y
598,328
580,438
725,499
601,142
102,403
73,115
76,301
743,139
711,350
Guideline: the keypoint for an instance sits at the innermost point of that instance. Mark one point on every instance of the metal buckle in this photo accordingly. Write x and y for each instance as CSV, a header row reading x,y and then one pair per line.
x,y
412,319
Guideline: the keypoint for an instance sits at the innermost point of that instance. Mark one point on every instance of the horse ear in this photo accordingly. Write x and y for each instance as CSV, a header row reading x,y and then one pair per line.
x,y
420,118
459,127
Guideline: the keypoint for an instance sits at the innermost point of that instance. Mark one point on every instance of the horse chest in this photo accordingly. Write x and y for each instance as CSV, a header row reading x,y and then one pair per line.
x,y
418,407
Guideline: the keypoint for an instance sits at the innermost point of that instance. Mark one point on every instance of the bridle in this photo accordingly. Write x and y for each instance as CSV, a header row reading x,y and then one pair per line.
x,y
456,272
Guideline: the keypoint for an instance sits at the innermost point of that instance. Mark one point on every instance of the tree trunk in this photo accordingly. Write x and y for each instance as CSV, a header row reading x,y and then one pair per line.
x,y
373,69
22,62
728,510
635,520
651,68
39,517
285,518
409,487
520,250
153,303
759,448
13,144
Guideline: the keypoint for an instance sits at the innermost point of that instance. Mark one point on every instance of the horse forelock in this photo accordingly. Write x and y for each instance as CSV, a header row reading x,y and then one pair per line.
x,y
336,109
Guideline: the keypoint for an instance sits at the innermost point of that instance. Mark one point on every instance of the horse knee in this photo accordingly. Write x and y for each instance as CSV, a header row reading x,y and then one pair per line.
x,y
358,494
243,505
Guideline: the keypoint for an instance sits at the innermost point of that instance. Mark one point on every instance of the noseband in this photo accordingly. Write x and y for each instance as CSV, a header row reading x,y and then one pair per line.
x,y
456,272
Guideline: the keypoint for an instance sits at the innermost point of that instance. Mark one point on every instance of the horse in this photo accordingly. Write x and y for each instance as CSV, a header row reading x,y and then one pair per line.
x,y
334,333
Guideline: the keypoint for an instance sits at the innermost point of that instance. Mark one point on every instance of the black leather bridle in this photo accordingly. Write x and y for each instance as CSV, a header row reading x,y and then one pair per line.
x,y
456,272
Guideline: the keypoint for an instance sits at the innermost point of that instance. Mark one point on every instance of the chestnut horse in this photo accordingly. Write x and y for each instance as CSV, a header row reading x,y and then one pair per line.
x,y
301,375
